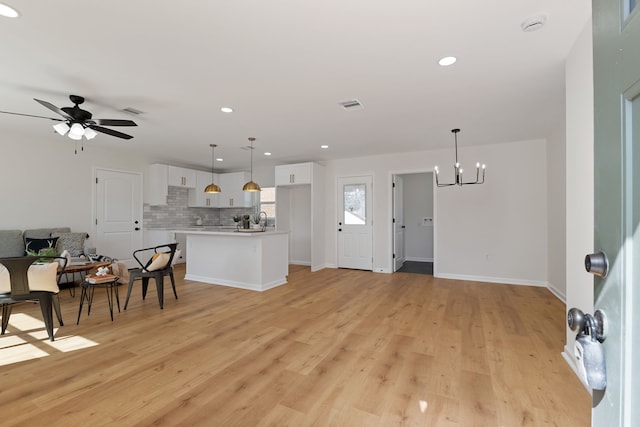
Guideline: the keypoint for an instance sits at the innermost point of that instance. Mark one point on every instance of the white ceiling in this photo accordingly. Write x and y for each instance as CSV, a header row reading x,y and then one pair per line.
x,y
284,66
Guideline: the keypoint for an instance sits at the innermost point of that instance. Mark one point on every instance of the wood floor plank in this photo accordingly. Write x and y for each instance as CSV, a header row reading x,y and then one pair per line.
x,y
330,348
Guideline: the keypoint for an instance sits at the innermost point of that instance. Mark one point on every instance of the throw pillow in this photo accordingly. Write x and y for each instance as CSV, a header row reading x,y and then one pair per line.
x,y
73,242
176,256
158,261
42,277
35,245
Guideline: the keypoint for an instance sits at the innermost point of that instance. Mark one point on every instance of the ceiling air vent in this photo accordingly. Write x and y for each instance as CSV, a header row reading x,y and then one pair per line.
x,y
132,110
352,104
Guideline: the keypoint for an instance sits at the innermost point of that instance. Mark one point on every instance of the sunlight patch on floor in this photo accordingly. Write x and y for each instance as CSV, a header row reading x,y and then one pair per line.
x,y
26,339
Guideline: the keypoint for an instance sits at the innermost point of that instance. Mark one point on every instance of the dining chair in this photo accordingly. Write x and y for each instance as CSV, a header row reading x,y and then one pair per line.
x,y
156,263
41,287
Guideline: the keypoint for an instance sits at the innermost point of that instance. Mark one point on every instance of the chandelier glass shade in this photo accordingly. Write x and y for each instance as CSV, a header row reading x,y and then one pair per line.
x,y
457,169
76,130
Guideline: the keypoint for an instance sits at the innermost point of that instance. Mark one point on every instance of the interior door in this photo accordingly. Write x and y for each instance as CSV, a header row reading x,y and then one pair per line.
x,y
616,30
355,223
398,223
118,214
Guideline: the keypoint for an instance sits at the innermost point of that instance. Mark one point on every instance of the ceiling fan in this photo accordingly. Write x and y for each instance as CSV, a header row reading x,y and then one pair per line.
x,y
79,122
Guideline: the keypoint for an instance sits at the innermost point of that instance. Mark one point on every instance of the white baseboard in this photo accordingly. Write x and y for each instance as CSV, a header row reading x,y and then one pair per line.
x,y
562,297
298,262
416,259
503,280
234,284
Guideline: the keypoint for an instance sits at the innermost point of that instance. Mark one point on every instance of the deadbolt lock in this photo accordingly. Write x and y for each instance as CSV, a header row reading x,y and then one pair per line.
x,y
597,264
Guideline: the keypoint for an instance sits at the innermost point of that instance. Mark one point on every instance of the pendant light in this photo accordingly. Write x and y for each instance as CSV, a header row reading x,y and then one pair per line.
x,y
251,186
458,170
212,188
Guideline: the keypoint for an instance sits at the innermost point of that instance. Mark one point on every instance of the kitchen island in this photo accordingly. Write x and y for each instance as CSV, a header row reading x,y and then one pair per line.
x,y
249,260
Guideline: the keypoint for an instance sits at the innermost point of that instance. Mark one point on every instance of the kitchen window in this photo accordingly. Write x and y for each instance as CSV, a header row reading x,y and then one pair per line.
x,y
268,203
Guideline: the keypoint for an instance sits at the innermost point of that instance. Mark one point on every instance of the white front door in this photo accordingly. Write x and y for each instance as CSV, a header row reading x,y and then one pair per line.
x,y
616,60
398,223
118,214
355,223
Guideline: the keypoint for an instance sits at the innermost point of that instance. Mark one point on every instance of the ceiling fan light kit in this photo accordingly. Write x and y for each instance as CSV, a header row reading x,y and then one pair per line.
x,y
458,169
76,122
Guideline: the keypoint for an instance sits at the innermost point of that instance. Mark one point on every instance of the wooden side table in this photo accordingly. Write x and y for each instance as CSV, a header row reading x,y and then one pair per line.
x,y
111,288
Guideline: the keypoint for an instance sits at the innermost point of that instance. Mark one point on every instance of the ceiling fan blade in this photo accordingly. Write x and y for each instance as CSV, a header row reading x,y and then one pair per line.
x,y
31,115
113,122
53,108
110,132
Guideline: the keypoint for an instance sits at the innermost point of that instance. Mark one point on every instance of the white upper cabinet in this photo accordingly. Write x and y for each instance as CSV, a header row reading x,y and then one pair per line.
x,y
197,197
299,173
156,186
182,177
160,177
232,195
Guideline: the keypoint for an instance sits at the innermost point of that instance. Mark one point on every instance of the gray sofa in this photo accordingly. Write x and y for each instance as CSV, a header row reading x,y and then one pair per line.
x,y
12,242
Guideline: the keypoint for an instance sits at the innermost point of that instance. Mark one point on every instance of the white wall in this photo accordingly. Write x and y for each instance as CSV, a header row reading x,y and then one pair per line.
x,y
44,184
493,232
579,172
557,230
418,204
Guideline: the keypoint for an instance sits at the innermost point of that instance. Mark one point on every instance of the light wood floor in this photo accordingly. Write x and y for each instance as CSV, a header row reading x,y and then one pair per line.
x,y
331,348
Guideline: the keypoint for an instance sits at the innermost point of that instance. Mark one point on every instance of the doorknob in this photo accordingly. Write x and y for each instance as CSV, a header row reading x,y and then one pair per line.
x,y
588,349
137,228
580,323
597,264
339,229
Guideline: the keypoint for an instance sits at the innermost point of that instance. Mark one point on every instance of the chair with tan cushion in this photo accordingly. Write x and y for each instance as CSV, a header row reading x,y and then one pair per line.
x,y
156,262
21,281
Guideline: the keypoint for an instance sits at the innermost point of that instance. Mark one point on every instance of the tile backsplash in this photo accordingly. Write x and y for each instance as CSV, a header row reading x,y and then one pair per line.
x,y
177,213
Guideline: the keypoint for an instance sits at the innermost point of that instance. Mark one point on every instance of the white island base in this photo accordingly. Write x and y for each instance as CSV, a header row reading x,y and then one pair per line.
x,y
254,261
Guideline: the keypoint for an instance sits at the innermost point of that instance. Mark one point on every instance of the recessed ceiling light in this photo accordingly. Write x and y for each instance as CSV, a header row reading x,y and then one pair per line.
x,y
267,153
447,60
219,159
226,110
8,11
324,146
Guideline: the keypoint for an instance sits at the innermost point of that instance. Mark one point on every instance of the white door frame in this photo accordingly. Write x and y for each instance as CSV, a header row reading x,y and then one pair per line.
x,y
435,215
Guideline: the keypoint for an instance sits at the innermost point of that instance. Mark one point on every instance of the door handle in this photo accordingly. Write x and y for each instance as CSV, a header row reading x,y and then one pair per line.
x,y
137,228
404,226
339,229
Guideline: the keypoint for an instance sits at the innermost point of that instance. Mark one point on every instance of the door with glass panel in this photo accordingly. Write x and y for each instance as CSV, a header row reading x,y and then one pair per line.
x,y
616,59
355,223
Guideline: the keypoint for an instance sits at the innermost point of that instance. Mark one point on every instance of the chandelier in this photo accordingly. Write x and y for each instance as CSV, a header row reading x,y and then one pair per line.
x,y
458,170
